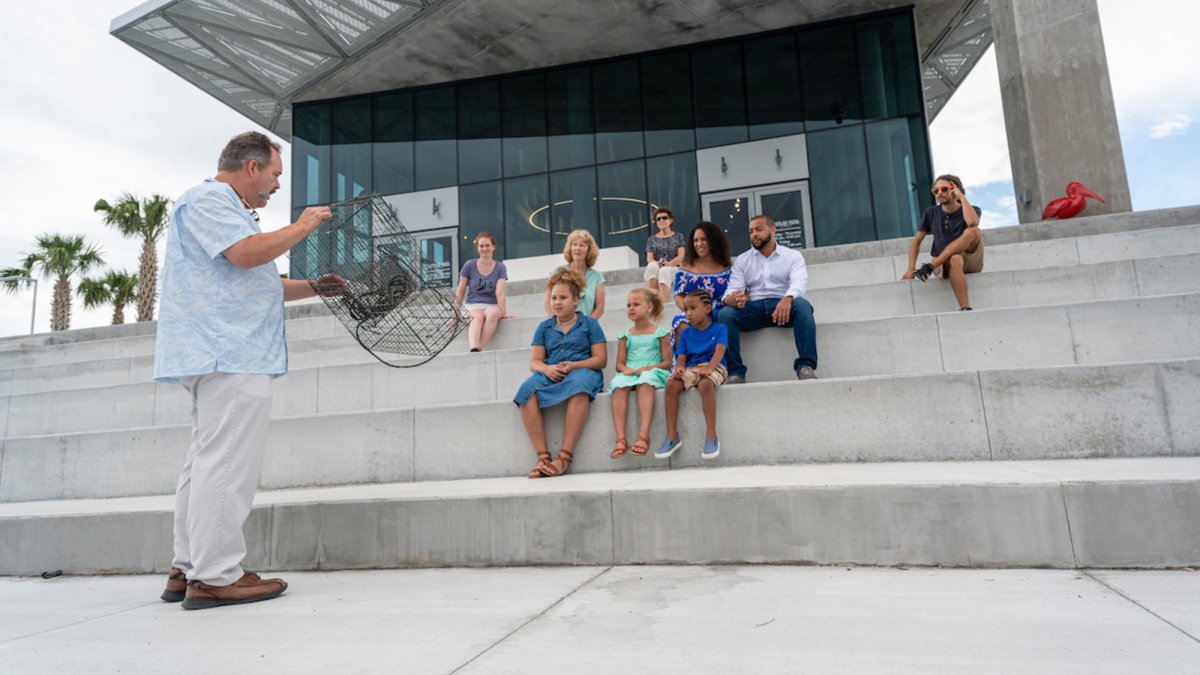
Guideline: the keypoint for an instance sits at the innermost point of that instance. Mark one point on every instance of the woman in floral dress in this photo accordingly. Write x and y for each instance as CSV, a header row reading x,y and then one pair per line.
x,y
706,265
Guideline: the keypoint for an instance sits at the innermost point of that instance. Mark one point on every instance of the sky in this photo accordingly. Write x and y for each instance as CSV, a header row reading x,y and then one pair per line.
x,y
83,116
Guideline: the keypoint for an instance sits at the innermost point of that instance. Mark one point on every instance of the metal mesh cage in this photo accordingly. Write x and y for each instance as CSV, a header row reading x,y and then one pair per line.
x,y
393,304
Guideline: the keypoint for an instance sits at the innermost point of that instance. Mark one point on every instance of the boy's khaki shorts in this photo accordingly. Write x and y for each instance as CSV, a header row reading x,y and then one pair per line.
x,y
691,376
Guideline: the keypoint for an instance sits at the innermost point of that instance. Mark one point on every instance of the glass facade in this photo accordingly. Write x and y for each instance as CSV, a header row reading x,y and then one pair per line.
x,y
598,146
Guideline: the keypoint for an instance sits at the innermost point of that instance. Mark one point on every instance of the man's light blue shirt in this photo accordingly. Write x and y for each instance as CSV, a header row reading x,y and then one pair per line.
x,y
215,316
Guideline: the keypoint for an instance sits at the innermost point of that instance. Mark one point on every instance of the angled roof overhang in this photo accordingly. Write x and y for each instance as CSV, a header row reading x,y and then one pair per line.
x,y
260,56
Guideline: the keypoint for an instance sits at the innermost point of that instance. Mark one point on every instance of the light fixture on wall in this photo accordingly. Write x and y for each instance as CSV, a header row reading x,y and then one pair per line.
x,y
724,167
436,206
651,206
778,158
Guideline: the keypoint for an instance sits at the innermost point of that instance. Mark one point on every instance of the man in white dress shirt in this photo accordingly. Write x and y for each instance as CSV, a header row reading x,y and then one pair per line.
x,y
767,288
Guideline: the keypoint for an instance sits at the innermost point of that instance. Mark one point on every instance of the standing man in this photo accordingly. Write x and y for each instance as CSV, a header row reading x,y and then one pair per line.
x,y
957,240
221,335
766,288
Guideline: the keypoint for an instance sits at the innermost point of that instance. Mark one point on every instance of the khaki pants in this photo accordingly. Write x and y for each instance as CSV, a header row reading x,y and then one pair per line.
x,y
972,262
230,414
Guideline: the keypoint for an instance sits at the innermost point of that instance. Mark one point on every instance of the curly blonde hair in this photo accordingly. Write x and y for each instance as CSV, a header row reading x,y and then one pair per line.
x,y
654,299
593,249
569,278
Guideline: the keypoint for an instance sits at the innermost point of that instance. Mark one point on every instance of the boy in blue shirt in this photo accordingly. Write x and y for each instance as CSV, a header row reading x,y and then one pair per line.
x,y
699,363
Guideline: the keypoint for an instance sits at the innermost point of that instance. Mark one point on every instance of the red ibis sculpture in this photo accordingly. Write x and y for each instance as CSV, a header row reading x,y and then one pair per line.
x,y
1071,205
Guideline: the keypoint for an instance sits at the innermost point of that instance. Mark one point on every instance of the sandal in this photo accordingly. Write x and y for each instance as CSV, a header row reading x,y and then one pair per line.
x,y
539,470
642,446
560,465
621,447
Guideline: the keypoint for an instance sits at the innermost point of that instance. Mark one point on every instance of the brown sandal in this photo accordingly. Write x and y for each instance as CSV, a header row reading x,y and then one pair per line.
x,y
560,465
642,446
622,446
539,470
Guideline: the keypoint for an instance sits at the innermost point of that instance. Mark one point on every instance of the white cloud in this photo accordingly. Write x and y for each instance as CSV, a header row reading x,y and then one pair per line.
x,y
1175,125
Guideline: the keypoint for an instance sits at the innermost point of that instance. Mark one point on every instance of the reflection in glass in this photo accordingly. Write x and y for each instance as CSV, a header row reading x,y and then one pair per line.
x,y
392,155
894,184
840,199
733,216
569,118
830,77
351,158
480,209
572,205
437,165
773,87
670,124
624,212
672,182
719,97
479,131
524,102
311,137
891,80
787,210
524,237
618,111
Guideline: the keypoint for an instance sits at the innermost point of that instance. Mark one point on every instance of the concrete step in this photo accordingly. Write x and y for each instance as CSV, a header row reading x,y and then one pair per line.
x,y
1020,256
1065,514
316,340
1124,410
1142,329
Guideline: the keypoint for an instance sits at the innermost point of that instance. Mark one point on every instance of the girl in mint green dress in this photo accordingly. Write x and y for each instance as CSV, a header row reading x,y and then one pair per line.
x,y
643,362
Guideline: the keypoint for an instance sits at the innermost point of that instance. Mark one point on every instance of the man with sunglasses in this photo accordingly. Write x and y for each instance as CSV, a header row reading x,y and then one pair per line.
x,y
957,240
221,335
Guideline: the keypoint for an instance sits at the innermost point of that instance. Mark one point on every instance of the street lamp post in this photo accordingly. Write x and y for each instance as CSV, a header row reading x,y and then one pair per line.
x,y
33,310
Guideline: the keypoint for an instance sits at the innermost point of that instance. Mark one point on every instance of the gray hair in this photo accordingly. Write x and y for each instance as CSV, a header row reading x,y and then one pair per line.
x,y
245,147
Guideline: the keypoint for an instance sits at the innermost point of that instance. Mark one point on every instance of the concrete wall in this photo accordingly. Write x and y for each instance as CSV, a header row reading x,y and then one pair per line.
x,y
1058,103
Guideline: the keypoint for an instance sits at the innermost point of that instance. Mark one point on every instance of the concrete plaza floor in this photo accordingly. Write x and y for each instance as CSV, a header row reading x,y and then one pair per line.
x,y
635,619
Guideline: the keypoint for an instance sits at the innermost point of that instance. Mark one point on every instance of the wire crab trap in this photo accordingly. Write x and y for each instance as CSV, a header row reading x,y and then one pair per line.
x,y
397,305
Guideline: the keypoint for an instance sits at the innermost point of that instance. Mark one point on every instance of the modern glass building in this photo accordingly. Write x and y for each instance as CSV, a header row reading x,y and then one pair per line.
x,y
821,126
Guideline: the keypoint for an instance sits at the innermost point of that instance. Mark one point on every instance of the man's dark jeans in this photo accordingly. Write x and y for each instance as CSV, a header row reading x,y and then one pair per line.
x,y
757,314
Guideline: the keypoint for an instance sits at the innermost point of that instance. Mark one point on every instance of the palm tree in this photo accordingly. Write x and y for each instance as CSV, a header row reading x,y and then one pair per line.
x,y
117,287
60,257
146,218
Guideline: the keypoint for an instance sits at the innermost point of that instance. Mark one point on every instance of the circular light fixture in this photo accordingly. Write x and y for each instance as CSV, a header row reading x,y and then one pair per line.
x,y
542,209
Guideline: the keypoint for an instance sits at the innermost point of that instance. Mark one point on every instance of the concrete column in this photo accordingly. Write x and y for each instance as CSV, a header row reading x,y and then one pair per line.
x,y
1058,104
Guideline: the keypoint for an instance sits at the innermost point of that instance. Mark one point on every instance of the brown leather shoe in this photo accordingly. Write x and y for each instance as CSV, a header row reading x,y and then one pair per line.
x,y
176,586
250,588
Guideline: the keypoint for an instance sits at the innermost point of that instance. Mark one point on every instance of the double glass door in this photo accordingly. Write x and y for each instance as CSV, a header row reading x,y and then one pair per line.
x,y
787,204
438,251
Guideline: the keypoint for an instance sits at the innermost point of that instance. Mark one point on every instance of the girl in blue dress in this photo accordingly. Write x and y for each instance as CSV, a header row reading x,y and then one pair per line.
x,y
707,265
643,357
569,353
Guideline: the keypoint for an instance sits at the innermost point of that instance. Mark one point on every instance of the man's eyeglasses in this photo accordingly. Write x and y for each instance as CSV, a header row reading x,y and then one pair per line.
x,y
662,217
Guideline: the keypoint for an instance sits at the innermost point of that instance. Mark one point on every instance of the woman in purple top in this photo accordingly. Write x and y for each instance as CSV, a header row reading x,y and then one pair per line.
x,y
706,266
482,281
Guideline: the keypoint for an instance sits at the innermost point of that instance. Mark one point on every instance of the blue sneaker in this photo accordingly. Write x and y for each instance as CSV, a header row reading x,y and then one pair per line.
x,y
712,448
667,448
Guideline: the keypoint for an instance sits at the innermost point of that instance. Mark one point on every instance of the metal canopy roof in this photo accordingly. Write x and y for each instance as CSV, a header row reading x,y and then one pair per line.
x,y
258,56
954,54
